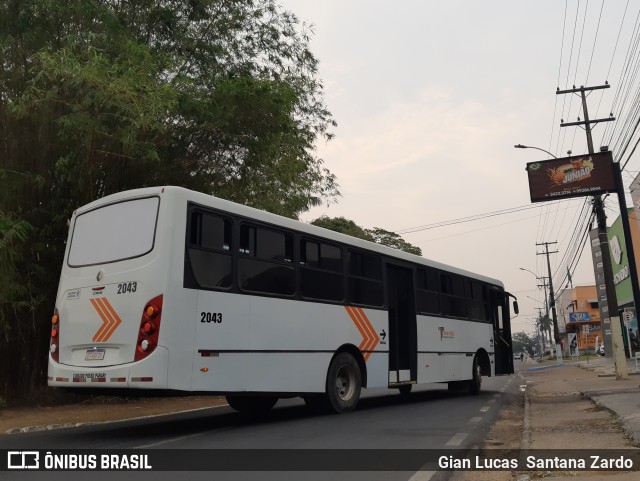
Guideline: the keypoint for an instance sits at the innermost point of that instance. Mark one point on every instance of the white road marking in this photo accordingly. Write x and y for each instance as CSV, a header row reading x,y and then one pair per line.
x,y
456,439
422,476
475,420
484,409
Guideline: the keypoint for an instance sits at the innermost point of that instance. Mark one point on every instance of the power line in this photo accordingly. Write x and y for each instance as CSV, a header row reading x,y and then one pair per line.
x,y
471,218
595,39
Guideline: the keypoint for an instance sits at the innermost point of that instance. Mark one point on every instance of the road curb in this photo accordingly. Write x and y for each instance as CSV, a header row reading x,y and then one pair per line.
x,y
53,427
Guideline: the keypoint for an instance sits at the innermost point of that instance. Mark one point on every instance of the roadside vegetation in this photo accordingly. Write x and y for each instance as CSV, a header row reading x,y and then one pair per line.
x,y
100,96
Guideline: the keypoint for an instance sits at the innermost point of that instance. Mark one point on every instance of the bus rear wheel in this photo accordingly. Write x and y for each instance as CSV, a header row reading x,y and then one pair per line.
x,y
476,381
252,404
344,383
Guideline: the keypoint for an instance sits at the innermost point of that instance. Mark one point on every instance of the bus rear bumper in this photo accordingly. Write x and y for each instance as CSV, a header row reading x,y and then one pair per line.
x,y
150,373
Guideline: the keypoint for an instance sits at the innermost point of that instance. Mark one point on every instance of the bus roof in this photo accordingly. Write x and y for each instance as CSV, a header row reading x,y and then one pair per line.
x,y
277,220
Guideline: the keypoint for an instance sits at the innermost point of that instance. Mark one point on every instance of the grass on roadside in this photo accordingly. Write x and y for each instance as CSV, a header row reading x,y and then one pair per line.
x,y
581,357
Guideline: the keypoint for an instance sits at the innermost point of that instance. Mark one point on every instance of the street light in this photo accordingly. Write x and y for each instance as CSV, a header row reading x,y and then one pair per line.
x,y
520,146
544,284
552,303
548,301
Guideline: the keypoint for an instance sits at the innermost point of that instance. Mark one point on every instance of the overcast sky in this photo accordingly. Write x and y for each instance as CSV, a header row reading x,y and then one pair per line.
x,y
430,98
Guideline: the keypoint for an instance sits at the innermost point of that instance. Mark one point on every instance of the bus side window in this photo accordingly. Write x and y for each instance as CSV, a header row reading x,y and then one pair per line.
x,y
310,253
478,301
266,264
266,244
248,240
365,279
427,291
209,250
454,299
321,274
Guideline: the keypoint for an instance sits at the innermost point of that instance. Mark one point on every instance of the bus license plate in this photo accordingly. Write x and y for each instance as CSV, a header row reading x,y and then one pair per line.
x,y
94,355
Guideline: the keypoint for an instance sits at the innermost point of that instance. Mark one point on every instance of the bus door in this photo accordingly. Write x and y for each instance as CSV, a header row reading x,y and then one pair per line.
x,y
402,325
502,333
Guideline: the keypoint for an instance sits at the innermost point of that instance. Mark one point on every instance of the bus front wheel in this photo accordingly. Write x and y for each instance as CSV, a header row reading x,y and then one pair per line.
x,y
344,383
252,404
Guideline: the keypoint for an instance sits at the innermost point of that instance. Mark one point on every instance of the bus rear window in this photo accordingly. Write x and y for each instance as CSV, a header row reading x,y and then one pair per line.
x,y
114,232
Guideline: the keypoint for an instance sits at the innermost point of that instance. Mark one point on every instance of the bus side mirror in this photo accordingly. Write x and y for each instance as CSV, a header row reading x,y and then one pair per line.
x,y
516,309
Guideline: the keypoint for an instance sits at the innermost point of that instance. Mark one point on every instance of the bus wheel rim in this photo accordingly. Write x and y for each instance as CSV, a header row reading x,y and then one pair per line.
x,y
345,383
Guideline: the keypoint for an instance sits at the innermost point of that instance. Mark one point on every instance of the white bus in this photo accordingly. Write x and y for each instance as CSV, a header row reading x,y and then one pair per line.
x,y
169,289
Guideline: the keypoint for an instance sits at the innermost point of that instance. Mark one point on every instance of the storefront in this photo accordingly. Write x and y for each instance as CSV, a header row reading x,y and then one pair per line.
x,y
583,324
622,280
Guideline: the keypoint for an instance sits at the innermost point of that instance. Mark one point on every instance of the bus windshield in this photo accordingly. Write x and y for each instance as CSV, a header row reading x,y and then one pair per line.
x,y
114,232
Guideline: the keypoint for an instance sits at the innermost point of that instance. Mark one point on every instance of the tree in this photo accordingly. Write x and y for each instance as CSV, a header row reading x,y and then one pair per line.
x,y
99,96
522,342
377,235
544,324
344,226
391,239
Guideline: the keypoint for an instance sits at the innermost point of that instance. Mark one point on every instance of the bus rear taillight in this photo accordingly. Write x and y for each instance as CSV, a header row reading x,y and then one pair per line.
x,y
54,345
149,328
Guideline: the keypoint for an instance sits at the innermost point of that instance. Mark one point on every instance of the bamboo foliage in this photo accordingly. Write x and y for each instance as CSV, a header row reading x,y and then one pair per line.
x,y
99,96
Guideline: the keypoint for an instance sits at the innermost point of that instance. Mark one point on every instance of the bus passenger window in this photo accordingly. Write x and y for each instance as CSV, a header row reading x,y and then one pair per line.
x,y
215,233
331,257
365,279
310,253
266,244
427,292
264,270
478,301
209,250
248,240
321,271
454,301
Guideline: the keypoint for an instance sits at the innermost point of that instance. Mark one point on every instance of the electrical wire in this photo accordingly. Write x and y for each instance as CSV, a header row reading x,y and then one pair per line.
x,y
595,39
471,218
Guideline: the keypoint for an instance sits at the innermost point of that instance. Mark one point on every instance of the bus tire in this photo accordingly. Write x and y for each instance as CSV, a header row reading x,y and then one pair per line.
x,y
475,384
252,404
344,382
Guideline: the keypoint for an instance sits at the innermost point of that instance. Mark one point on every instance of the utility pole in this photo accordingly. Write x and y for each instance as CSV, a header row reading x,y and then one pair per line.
x,y
546,299
546,302
598,207
552,301
541,333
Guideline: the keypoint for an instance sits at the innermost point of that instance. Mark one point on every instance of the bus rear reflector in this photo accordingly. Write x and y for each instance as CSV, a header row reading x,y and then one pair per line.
x,y
54,344
149,328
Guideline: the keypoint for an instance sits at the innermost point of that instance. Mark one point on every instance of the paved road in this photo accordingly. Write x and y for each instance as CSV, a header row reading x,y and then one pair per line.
x,y
432,418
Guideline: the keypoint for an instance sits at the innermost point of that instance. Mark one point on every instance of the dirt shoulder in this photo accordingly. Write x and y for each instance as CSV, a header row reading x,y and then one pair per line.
x,y
99,409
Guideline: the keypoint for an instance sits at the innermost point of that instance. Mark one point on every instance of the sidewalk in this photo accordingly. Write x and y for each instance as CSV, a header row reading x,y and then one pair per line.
x,y
594,381
580,405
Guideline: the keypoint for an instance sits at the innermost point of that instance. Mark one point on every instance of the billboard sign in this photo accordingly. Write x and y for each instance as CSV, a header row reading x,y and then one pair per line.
x,y
576,176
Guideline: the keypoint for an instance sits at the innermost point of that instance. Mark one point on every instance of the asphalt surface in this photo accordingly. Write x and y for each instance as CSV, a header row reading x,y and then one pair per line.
x,y
431,418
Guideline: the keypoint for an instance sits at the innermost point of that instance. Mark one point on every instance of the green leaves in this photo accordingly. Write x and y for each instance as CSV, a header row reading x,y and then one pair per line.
x,y
377,235
96,96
